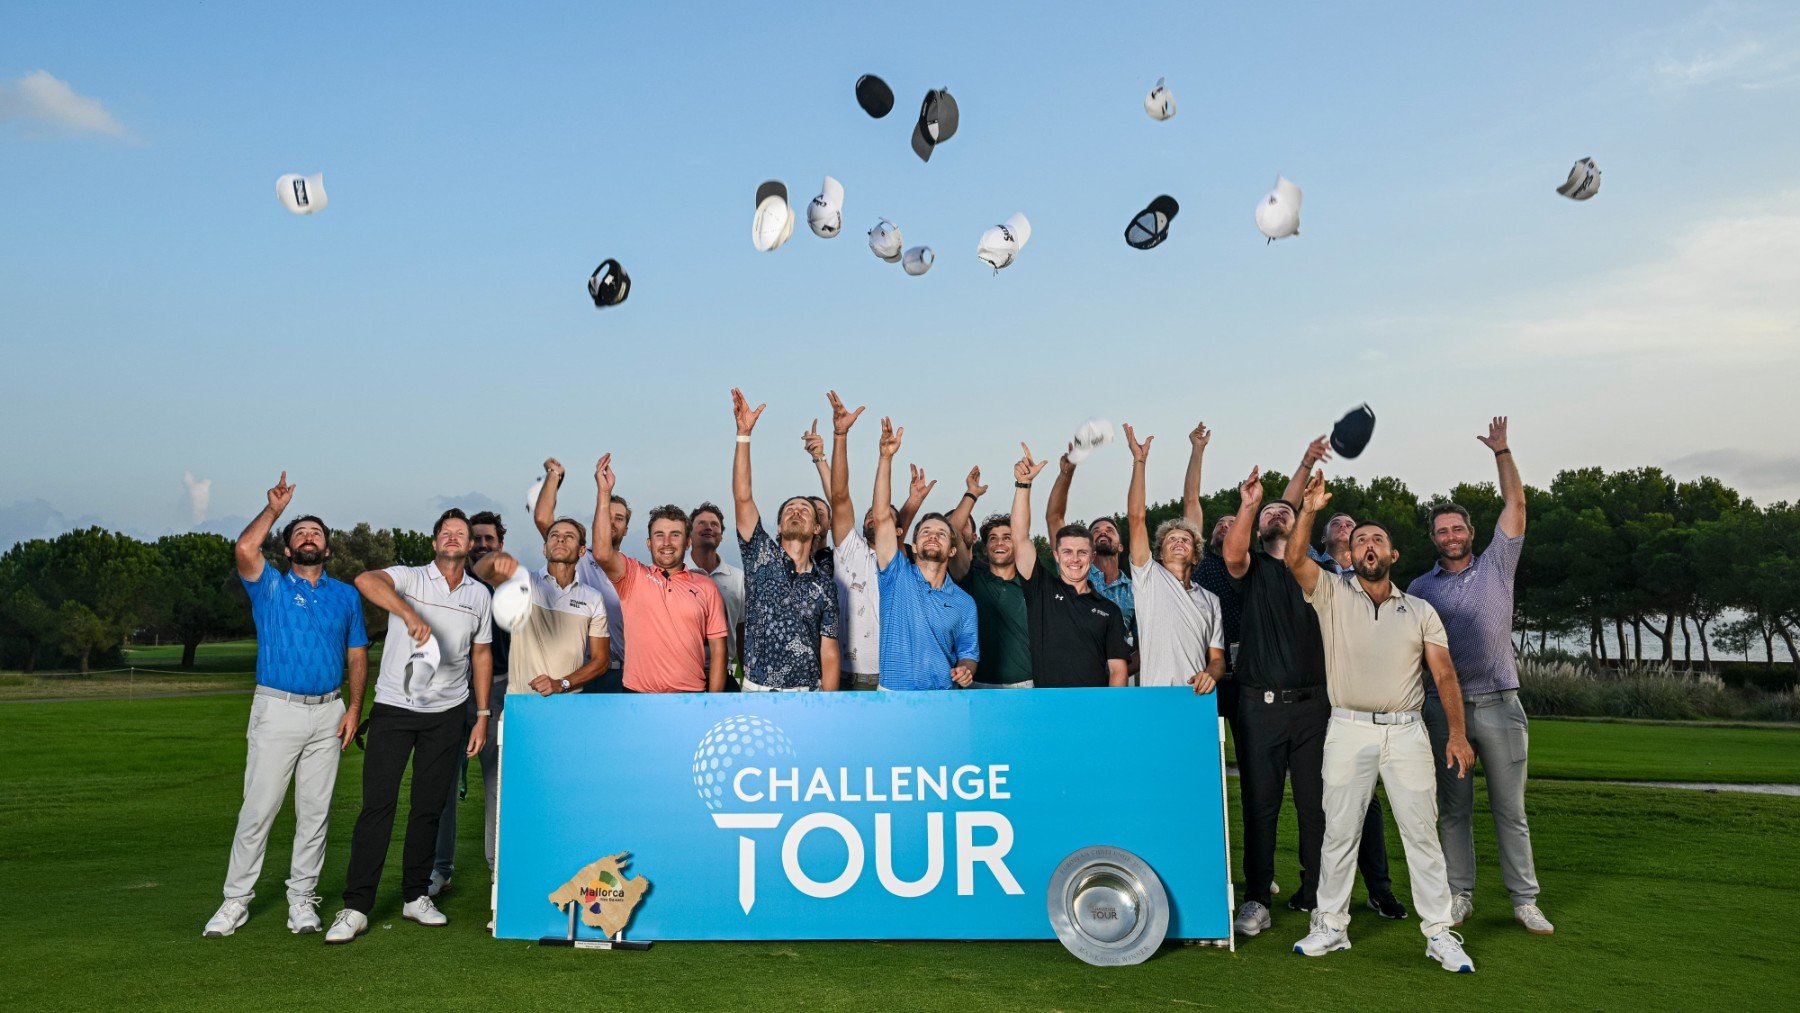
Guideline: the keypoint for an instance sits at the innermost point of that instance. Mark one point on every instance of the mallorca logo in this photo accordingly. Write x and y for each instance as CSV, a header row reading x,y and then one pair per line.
x,y
606,897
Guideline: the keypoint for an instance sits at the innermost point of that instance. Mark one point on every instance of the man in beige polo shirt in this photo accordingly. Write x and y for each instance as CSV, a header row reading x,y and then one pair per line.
x,y
1378,640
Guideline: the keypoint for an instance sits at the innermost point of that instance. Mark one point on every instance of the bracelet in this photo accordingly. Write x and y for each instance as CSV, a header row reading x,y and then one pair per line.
x,y
484,712
1499,453
819,459
1021,485
970,495
743,439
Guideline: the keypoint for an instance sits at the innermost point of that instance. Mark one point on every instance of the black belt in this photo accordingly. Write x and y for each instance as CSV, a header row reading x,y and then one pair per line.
x,y
1281,695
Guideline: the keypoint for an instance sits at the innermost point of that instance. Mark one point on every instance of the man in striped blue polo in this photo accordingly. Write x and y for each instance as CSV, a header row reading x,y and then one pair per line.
x,y
309,631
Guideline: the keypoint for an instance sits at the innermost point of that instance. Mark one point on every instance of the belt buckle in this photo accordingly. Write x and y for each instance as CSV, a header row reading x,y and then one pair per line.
x,y
1268,696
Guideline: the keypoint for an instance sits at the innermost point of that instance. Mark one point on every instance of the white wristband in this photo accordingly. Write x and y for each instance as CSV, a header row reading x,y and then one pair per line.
x,y
743,439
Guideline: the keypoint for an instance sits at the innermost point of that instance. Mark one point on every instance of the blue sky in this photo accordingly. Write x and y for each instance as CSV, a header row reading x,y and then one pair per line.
x,y
168,327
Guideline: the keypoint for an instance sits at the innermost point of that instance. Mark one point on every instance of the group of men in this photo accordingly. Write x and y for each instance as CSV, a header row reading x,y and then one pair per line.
x,y
1319,659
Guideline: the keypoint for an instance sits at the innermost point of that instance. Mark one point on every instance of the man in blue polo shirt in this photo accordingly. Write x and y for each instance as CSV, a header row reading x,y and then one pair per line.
x,y
928,635
309,630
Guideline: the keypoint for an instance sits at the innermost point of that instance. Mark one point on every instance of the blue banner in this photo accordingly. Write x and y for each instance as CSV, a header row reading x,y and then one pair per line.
x,y
937,815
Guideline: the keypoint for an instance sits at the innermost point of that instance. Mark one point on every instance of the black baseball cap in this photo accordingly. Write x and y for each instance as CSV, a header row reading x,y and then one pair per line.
x,y
937,123
609,284
873,94
1352,432
1150,226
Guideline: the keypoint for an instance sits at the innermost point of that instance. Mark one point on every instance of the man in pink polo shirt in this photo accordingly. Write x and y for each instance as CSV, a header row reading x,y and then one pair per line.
x,y
674,613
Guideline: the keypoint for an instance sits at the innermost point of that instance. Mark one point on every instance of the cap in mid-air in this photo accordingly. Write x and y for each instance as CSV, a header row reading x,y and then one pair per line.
x,y
531,497
1352,432
1000,244
918,260
1091,436
301,194
1278,213
512,599
937,123
873,94
608,286
884,240
1584,181
420,665
1160,103
825,215
774,221
1150,226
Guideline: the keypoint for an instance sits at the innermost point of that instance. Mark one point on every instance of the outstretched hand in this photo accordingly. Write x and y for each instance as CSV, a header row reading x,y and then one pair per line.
x,y
919,487
973,483
553,470
746,417
841,419
1316,495
281,495
813,442
1064,464
1250,492
890,437
1317,452
1200,436
1139,451
604,479
1026,470
1495,440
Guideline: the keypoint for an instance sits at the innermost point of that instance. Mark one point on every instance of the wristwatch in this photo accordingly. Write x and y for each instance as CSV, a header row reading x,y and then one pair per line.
x,y
565,685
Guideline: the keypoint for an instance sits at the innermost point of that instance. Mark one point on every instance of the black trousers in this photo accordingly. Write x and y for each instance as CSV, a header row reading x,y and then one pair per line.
x,y
434,743
1278,743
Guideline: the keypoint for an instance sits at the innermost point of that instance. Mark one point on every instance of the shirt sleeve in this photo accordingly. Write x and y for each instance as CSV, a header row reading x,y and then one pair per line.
x,y
968,640
1217,619
404,579
262,581
484,633
1117,647
627,580
1242,584
828,616
1431,626
359,636
1503,553
714,610
1323,590
596,626
755,549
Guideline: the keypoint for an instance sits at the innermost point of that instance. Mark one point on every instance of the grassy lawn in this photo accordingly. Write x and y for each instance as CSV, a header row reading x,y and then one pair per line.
x,y
1629,751
116,816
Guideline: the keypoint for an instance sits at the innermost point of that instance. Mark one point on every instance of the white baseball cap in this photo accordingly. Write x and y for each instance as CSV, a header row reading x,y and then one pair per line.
x,y
512,599
301,194
1584,181
420,665
1278,213
1160,103
1001,243
884,240
825,215
918,260
1091,436
531,497
774,221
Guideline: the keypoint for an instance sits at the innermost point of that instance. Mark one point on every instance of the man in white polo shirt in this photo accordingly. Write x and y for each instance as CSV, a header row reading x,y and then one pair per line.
x,y
1181,637
418,717
1377,641
613,527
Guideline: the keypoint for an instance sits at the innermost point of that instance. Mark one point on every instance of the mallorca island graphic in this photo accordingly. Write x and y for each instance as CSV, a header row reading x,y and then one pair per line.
x,y
606,897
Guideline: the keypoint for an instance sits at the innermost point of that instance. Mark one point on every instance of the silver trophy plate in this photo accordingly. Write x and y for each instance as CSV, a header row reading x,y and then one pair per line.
x,y
1107,906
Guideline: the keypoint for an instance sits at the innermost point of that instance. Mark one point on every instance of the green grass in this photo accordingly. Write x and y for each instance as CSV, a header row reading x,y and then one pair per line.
x,y
115,819
1622,751
229,656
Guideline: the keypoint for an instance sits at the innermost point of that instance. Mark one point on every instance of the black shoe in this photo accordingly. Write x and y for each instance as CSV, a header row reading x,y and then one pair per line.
x,y
1387,905
1301,902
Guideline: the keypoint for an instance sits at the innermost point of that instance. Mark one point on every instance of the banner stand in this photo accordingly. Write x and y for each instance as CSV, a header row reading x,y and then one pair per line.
x,y
617,942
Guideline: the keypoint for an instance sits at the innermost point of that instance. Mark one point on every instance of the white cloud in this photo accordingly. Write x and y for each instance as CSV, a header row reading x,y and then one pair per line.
x,y
1778,472
41,104
1723,44
199,495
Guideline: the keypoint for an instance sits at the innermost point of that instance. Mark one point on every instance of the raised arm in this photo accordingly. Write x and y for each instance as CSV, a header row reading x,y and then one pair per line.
x,y
611,563
248,550
1512,491
378,587
543,512
1024,473
1317,452
1190,483
1237,540
973,490
843,512
1457,752
916,491
1134,498
1300,562
814,445
1056,508
887,538
743,503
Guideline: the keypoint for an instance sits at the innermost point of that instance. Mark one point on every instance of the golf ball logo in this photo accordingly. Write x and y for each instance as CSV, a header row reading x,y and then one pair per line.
x,y
733,742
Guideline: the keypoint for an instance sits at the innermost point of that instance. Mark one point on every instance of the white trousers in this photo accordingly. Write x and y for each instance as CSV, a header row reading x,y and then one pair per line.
x,y
288,742
1356,754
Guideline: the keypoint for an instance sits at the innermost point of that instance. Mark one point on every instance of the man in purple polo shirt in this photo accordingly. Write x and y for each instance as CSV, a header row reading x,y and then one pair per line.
x,y
1474,596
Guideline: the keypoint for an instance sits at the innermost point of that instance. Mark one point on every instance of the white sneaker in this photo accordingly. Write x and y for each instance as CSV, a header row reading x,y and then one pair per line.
x,y
1252,918
439,883
348,924
303,915
1461,907
1274,888
230,917
1534,921
1447,949
423,911
1323,939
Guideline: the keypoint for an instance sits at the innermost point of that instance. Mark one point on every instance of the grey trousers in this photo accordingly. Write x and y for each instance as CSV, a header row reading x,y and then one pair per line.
x,y
289,742
445,862
1501,736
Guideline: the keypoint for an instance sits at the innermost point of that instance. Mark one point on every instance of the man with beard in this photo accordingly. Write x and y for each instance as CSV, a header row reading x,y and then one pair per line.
x,y
1106,573
703,557
1181,642
1077,635
928,626
487,535
309,632
1474,594
418,717
790,605
1004,627
616,520
1283,710
1377,642
677,618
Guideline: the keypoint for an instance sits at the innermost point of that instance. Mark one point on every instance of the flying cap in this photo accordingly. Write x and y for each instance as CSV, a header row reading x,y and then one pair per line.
x,y
1001,244
937,123
420,665
1352,432
1093,434
918,260
1278,213
609,284
1584,181
884,240
301,194
873,94
512,599
825,215
774,221
531,497
1150,226
1160,103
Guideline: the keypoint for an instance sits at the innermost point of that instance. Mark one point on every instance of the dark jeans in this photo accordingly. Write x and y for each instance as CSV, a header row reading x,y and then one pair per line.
x,y
434,743
1278,743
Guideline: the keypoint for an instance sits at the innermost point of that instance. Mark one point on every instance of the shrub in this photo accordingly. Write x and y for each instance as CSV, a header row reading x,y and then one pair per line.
x,y
1574,689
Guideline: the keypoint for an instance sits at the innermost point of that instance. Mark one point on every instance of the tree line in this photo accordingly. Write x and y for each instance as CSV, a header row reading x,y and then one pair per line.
x,y
1692,564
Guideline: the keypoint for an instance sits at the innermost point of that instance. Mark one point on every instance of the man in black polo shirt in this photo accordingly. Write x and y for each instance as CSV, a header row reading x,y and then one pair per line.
x,y
1283,711
1077,634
